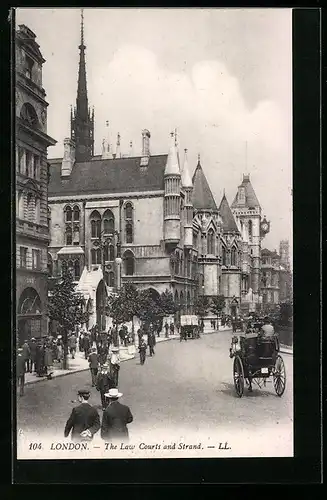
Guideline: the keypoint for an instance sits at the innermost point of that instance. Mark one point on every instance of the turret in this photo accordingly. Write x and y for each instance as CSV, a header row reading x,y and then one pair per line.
x,y
172,180
187,187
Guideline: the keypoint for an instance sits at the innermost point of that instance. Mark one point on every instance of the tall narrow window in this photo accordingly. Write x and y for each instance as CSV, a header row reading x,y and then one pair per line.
x,y
111,253
108,222
210,242
95,224
22,160
224,256
96,256
35,167
250,227
76,213
111,279
129,236
50,265
68,214
233,257
129,263
36,259
69,236
23,256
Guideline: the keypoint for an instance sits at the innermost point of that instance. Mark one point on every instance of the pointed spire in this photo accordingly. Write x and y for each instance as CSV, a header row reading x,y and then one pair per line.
x,y
199,163
172,166
82,101
229,224
202,196
186,178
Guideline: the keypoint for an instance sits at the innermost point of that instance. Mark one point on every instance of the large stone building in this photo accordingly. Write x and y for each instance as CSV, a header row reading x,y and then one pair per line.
x,y
276,277
143,218
32,233
253,227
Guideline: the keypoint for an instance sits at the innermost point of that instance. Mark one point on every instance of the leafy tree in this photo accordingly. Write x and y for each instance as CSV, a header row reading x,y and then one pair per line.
x,y
149,308
201,305
168,304
66,306
217,305
123,306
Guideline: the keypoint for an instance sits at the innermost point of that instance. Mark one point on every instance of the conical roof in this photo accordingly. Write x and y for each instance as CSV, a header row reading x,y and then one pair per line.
x,y
229,224
202,196
251,199
186,178
172,165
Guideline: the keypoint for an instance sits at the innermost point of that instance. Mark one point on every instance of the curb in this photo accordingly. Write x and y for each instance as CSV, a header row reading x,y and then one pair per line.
x,y
286,351
79,370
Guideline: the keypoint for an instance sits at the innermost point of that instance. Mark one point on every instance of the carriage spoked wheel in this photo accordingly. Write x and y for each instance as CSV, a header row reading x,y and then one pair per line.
x,y
279,376
238,372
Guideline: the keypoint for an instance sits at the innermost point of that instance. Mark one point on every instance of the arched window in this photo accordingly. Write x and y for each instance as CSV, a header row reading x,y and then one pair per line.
x,y
28,115
182,302
129,236
111,279
96,256
95,224
224,256
250,226
77,270
108,222
76,213
210,242
68,214
111,253
188,311
233,257
129,263
69,236
50,265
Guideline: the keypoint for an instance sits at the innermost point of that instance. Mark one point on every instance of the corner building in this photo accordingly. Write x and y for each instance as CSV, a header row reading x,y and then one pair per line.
x,y
32,232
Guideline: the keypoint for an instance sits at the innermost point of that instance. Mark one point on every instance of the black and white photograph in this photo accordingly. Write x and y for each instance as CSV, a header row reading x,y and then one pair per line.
x,y
154,240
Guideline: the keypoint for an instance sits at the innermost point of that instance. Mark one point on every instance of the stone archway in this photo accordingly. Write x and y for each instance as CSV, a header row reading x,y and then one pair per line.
x,y
100,301
29,315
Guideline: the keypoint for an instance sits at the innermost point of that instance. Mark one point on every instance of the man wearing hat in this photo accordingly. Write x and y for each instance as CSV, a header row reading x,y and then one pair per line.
x,y
104,384
114,364
115,418
94,365
33,348
20,370
84,420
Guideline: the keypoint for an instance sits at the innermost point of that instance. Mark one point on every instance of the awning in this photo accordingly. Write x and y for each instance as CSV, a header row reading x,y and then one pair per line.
x,y
71,250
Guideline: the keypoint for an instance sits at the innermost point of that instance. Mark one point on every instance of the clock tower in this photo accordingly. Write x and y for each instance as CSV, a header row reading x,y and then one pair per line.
x,y
247,212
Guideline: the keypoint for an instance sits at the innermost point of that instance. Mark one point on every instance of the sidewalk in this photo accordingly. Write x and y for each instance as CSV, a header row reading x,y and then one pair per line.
x,y
80,364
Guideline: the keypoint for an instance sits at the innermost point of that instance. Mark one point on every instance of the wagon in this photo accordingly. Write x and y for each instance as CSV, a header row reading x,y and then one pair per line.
x,y
257,359
189,327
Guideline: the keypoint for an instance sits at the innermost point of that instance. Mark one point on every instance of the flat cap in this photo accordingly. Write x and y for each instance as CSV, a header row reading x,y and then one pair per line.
x,y
83,392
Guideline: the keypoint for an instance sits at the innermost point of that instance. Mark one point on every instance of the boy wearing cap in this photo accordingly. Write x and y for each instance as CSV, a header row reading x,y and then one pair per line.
x,y
115,418
84,420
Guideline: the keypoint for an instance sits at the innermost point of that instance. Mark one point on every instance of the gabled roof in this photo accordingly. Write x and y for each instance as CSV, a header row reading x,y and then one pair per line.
x,y
229,224
119,175
251,200
202,197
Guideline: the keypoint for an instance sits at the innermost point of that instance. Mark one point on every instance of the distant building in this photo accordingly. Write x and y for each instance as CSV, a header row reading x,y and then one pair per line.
x,y
276,277
32,232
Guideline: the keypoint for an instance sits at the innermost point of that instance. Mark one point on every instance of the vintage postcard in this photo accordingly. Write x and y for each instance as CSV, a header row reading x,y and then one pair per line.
x,y
153,233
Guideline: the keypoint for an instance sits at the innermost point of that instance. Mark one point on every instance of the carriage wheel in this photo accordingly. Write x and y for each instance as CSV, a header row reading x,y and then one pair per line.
x,y
238,376
279,376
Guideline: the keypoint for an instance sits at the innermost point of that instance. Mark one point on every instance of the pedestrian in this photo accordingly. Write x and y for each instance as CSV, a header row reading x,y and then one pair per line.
x,y
142,351
166,329
26,355
81,342
151,342
84,420
60,352
87,345
94,365
115,418
72,345
33,347
114,364
172,328
47,357
103,384
20,370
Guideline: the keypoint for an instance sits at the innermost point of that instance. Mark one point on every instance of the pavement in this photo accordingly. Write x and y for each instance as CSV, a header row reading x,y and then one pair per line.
x,y
79,363
186,389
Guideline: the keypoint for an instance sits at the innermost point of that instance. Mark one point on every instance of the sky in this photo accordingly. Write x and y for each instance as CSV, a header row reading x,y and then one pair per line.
x,y
221,77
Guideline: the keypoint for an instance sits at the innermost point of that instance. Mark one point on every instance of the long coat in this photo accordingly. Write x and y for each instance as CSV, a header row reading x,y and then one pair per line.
x,y
114,421
20,365
83,417
48,361
104,382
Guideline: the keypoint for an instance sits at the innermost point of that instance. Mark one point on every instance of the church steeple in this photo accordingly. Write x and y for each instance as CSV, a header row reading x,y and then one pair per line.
x,y
82,121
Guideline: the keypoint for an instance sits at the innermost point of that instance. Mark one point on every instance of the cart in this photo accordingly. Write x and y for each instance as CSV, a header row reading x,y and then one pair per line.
x,y
189,327
257,359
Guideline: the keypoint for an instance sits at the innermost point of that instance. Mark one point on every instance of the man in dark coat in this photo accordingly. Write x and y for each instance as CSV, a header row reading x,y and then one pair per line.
x,y
115,418
84,420
20,371
94,365
86,345
33,348
151,342
104,384
166,329
26,354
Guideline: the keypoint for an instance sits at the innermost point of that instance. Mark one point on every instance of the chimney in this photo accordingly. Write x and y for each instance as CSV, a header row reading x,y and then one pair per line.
x,y
145,148
146,143
106,150
69,157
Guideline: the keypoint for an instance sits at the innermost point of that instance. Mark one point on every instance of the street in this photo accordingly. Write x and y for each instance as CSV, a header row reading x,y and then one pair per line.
x,y
185,388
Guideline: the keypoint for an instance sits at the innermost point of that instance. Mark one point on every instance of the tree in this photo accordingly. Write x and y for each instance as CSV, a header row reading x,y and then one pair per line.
x,y
66,306
123,306
201,306
149,308
217,305
168,304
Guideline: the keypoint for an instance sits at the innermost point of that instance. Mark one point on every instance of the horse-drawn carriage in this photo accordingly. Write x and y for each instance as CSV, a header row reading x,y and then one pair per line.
x,y
189,327
257,359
